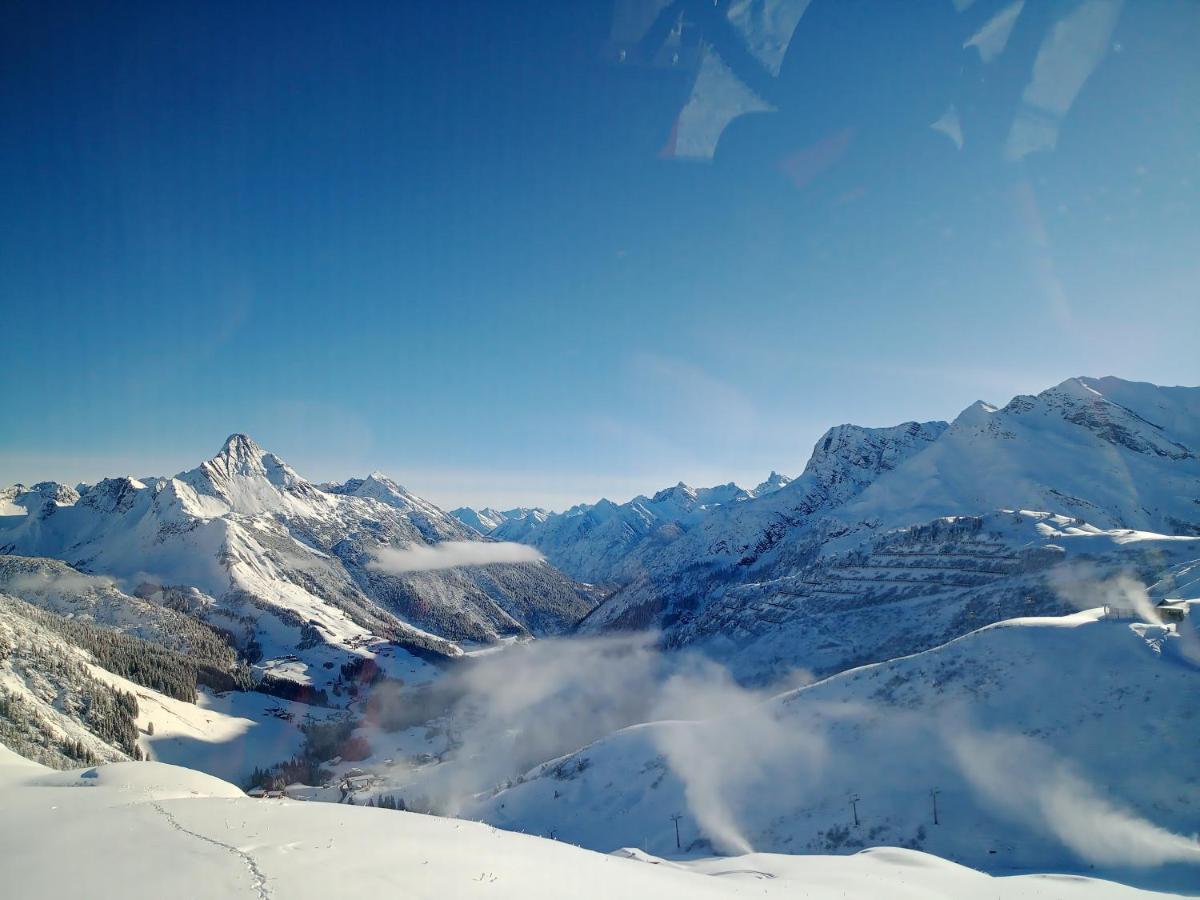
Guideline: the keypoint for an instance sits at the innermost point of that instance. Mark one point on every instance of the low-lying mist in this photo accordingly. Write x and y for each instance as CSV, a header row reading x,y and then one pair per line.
x,y
746,761
450,555
511,710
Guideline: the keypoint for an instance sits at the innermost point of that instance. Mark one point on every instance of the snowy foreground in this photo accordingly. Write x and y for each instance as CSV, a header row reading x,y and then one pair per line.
x,y
153,830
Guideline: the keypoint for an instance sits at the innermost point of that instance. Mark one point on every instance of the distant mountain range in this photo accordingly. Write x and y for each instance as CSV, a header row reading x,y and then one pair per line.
x,y
928,579
592,541
738,571
285,566
894,540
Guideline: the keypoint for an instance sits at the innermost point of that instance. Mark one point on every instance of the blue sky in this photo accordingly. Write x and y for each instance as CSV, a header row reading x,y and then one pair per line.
x,y
473,247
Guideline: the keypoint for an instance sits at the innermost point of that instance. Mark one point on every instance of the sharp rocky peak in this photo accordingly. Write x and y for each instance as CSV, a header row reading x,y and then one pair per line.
x,y
241,455
240,446
774,482
378,477
246,477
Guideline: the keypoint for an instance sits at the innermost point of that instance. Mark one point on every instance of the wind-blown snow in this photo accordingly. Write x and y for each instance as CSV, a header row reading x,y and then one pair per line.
x,y
1040,734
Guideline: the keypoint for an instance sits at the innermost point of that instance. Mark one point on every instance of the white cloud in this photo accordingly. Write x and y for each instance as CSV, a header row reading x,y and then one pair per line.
x,y
450,555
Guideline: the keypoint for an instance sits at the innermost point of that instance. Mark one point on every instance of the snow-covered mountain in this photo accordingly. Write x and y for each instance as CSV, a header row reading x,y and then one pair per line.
x,y
520,524
17,500
1117,453
774,482
1111,454
289,569
612,543
480,520
593,541
1048,742
487,520
433,523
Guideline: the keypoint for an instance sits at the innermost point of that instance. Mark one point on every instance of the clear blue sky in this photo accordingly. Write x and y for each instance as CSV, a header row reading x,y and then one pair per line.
x,y
449,240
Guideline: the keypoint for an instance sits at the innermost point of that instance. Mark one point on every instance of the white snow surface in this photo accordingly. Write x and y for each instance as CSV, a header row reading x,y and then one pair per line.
x,y
133,830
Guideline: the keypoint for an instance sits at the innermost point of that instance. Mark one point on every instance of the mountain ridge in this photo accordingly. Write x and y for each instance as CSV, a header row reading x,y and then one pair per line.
x,y
1069,450
290,566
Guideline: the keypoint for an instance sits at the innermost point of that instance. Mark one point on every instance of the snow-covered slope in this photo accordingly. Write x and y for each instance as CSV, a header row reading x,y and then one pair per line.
x,y
1119,454
136,830
53,708
1052,742
88,673
54,586
290,569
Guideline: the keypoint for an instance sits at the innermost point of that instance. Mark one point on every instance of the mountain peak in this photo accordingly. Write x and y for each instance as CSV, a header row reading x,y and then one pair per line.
x,y
241,456
976,414
380,487
1078,388
774,482
682,492
241,446
245,477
